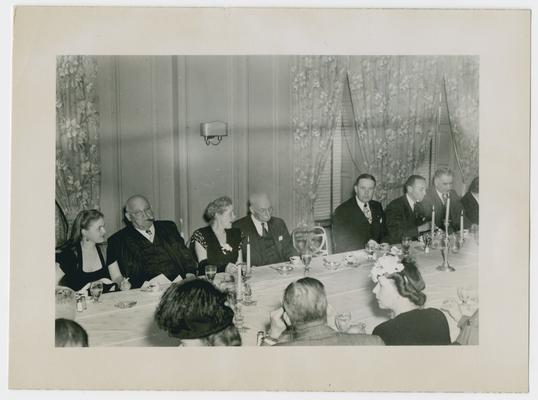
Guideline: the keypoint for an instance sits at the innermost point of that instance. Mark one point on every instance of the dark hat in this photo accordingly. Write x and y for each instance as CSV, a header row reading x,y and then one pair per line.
x,y
203,327
193,309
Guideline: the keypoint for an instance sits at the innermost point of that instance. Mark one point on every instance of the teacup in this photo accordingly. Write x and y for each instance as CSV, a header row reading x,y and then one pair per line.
x,y
295,260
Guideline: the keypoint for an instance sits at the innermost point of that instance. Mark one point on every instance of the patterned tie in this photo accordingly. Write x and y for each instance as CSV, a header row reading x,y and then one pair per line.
x,y
367,213
445,198
265,231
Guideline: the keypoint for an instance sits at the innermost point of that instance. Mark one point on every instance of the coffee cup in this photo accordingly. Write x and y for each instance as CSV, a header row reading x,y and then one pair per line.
x,y
295,260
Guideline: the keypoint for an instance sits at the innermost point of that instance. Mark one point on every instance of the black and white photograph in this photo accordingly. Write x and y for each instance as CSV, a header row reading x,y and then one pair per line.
x,y
267,200
270,199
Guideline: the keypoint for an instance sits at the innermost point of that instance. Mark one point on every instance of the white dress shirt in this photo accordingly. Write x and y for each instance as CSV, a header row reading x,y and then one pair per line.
x,y
259,225
150,236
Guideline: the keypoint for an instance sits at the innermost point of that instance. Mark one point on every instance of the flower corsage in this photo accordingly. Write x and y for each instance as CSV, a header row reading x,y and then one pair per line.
x,y
226,248
386,265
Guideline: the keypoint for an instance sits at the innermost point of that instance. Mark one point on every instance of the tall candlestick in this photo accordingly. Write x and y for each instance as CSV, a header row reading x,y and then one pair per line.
x,y
239,291
433,221
447,212
248,255
461,227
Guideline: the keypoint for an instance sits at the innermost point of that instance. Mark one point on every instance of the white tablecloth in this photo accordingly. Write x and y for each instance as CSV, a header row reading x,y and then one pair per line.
x,y
348,289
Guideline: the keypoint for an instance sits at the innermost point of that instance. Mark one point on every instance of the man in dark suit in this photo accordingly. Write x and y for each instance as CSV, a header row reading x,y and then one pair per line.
x,y
146,248
302,320
403,216
470,204
269,238
438,197
358,219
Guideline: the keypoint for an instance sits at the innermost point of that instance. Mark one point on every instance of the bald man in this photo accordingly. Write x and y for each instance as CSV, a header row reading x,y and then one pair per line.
x,y
146,248
270,240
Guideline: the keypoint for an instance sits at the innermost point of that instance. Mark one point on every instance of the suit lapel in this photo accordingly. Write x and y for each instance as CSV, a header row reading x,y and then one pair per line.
x,y
274,235
360,213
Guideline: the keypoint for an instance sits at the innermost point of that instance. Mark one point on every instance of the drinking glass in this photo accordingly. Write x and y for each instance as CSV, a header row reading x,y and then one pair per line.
x,y
343,321
406,244
210,272
306,258
239,318
96,288
247,295
244,273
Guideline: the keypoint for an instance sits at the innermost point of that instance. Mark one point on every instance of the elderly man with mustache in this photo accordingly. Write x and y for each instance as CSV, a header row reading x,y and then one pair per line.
x,y
146,248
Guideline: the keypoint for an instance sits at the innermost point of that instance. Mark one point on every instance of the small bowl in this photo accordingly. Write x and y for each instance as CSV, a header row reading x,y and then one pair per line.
x,y
330,264
283,269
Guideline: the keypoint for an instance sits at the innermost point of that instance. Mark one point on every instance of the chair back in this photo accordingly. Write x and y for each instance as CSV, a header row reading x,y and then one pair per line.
x,y
312,239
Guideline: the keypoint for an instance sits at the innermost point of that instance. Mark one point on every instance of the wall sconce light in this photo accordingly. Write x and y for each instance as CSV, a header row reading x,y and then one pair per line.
x,y
213,132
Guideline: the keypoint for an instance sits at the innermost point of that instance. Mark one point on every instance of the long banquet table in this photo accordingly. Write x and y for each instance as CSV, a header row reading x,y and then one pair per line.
x,y
349,288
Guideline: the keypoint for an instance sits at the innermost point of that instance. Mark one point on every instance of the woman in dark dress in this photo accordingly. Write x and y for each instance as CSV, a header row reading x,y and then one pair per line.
x,y
399,289
218,243
81,259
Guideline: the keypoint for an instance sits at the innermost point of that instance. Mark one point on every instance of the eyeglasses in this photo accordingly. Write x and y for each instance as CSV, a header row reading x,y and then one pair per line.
x,y
264,210
140,213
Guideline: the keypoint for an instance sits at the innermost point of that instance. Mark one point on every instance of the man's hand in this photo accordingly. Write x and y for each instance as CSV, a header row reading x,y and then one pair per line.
x,y
125,284
278,325
231,269
426,226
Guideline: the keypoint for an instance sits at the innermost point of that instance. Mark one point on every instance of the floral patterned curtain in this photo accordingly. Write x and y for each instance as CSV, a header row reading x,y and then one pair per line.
x,y
317,83
461,80
77,122
396,102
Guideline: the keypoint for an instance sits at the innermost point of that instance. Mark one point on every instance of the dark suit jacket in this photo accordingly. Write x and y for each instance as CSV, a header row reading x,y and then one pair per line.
x,y
470,207
402,221
351,230
431,198
124,247
279,232
320,334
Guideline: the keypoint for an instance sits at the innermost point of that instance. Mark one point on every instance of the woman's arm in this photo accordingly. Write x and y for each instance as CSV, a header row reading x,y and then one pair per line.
x,y
59,274
117,277
201,253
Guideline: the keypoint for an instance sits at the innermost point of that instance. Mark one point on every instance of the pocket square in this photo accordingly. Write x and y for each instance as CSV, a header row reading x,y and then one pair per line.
x,y
280,238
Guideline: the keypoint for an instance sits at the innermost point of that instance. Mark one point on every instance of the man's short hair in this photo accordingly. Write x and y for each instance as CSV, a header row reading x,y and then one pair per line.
x,y
305,300
70,334
365,176
442,171
411,181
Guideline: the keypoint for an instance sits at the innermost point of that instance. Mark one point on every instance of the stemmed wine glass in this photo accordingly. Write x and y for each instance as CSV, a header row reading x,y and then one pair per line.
x,y
235,304
306,258
96,288
210,272
343,321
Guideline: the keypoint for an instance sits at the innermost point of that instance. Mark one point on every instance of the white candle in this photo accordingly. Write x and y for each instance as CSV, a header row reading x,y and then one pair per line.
x,y
461,224
447,211
433,220
248,254
239,291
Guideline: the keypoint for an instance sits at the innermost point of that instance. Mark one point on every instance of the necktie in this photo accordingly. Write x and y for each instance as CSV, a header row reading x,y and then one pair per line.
x,y
445,198
265,231
149,233
367,213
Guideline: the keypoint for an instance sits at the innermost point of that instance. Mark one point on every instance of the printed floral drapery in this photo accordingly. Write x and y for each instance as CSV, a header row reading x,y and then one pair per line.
x,y
396,103
461,75
77,122
317,83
